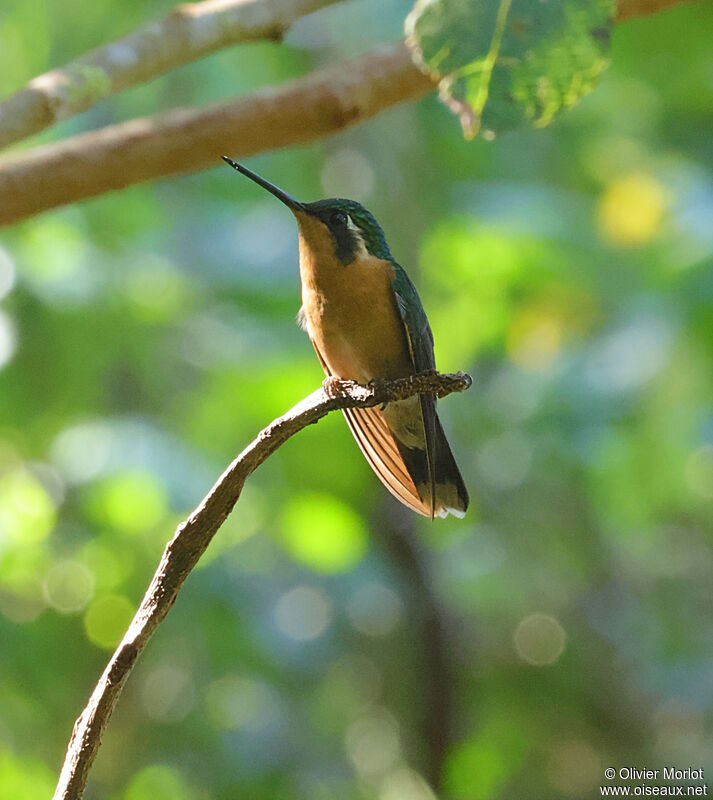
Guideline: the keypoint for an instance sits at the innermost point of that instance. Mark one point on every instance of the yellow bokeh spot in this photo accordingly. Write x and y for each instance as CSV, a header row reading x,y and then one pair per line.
x,y
631,210
107,619
27,513
324,534
132,503
534,339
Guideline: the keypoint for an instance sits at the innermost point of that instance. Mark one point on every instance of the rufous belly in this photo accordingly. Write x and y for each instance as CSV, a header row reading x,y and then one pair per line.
x,y
352,318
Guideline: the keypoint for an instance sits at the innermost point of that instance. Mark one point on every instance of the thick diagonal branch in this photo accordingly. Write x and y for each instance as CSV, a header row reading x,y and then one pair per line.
x,y
189,32
184,140
193,536
627,9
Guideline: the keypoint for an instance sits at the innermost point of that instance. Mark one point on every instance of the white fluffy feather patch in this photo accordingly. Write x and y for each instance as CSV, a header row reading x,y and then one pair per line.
x,y
302,320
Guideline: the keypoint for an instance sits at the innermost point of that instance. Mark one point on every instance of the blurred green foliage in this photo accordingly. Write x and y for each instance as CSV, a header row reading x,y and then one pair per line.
x,y
146,336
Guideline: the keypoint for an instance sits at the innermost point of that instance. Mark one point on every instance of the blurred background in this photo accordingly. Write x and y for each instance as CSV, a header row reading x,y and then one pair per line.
x,y
330,645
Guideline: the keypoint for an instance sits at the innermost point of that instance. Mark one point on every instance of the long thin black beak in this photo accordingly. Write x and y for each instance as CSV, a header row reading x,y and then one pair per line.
x,y
287,199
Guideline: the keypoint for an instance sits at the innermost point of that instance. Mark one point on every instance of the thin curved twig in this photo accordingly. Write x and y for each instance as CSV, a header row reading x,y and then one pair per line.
x,y
189,32
193,536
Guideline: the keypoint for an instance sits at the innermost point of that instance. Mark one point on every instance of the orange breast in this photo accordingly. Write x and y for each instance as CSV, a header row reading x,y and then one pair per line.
x,y
352,317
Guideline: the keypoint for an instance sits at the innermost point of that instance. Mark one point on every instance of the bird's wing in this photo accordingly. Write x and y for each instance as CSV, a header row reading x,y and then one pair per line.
x,y
381,451
420,342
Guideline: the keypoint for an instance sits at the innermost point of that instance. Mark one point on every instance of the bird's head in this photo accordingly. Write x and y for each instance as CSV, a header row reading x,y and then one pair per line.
x,y
336,227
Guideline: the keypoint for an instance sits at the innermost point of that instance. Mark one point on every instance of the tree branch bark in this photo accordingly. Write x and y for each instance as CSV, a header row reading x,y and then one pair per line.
x,y
193,536
189,32
627,9
185,140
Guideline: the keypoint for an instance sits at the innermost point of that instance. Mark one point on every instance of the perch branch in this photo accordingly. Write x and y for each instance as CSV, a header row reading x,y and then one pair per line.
x,y
189,32
193,536
184,140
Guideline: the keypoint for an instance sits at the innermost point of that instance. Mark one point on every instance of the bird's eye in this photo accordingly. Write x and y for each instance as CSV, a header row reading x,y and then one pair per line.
x,y
338,218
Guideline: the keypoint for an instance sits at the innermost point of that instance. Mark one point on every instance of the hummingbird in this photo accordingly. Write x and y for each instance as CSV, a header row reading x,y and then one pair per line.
x,y
366,321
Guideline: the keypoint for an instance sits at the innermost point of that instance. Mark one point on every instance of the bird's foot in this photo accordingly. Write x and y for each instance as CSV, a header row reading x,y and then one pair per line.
x,y
335,387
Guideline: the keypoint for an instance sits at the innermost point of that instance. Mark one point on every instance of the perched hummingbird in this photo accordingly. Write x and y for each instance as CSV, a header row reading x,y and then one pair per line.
x,y
366,321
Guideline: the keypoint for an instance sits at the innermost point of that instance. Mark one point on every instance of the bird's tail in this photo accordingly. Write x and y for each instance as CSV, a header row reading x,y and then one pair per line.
x,y
451,494
412,474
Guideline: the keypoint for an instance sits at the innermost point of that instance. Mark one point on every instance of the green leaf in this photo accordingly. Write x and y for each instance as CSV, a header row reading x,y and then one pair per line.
x,y
501,63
